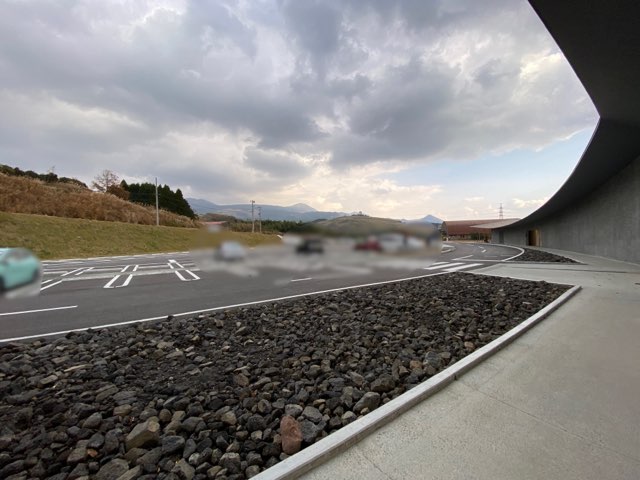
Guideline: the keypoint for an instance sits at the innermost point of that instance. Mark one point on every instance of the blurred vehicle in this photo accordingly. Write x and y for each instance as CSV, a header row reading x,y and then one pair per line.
x,y
311,245
396,242
371,244
231,251
18,267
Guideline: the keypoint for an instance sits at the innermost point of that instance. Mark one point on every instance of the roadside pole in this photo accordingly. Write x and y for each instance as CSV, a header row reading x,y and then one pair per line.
x,y
253,219
157,209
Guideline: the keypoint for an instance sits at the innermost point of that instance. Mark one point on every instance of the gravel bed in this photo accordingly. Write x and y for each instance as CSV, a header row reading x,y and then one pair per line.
x,y
540,256
229,394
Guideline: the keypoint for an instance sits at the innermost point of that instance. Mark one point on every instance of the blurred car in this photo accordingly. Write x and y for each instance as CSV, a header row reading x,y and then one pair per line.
x,y
311,245
18,267
231,251
397,243
371,244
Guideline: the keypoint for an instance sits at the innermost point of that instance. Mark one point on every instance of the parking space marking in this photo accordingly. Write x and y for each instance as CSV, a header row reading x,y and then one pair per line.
x,y
443,266
463,267
173,262
39,310
51,285
126,282
72,271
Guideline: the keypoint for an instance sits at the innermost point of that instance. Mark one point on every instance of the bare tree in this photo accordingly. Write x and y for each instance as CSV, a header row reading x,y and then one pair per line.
x,y
104,180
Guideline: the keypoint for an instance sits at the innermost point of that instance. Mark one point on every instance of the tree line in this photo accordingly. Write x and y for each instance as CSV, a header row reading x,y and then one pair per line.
x,y
49,177
145,194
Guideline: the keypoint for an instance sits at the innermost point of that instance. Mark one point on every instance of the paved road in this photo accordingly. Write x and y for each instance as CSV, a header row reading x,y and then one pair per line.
x,y
79,294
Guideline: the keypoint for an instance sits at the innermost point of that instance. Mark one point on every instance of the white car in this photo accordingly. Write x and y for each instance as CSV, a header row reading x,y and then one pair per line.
x,y
231,251
396,242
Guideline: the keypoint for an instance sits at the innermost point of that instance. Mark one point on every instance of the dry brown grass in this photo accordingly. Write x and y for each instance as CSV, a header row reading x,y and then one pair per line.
x,y
25,195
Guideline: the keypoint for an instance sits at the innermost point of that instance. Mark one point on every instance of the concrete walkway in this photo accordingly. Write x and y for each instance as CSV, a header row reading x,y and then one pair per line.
x,y
561,402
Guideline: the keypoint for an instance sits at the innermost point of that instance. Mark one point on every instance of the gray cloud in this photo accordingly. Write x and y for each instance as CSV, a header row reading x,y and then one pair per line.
x,y
91,85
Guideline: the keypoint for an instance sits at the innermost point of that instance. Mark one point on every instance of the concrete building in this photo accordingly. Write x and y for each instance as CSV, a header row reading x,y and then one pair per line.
x,y
597,210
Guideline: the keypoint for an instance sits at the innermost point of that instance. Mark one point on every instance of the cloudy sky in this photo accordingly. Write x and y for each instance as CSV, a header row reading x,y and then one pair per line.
x,y
396,108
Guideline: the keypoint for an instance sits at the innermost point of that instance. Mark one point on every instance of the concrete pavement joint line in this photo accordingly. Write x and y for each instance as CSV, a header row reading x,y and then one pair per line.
x,y
321,451
550,424
215,309
375,465
36,311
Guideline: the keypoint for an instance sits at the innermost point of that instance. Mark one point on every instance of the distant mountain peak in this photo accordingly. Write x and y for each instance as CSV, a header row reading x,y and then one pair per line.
x,y
431,219
302,207
298,212
426,219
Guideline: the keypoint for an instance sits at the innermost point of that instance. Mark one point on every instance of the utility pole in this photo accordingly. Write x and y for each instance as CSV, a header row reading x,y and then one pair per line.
x,y
501,213
157,208
260,219
253,219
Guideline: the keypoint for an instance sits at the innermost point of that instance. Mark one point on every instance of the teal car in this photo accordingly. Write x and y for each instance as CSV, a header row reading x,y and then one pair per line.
x,y
18,267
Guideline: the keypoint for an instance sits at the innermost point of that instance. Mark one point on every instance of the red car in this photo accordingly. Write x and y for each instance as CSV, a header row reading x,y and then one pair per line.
x,y
371,245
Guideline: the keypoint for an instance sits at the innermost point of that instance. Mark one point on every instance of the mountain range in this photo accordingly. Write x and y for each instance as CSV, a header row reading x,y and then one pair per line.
x,y
427,219
298,212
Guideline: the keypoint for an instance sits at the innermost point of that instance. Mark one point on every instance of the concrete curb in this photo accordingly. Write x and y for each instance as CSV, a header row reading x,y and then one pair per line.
x,y
337,442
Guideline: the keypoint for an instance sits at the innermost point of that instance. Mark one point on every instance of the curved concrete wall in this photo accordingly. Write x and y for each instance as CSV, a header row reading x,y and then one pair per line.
x,y
597,210
606,222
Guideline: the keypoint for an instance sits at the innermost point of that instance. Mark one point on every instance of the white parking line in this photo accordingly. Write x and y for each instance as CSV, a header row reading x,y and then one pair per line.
x,y
462,267
114,279
462,258
51,285
301,279
443,266
179,275
72,271
40,310
84,271
215,309
108,285
515,256
135,269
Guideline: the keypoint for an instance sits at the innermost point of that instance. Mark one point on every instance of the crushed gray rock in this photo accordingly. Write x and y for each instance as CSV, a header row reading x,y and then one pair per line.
x,y
230,394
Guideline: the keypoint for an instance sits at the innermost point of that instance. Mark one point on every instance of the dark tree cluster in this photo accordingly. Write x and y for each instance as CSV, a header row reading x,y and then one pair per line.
x,y
145,194
45,177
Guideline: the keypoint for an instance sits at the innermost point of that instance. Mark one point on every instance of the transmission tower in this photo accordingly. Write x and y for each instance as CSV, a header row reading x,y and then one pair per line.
x,y
260,219
501,213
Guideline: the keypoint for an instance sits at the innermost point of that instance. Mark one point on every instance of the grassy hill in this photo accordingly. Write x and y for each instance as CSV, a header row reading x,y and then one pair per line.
x,y
26,195
55,237
362,225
